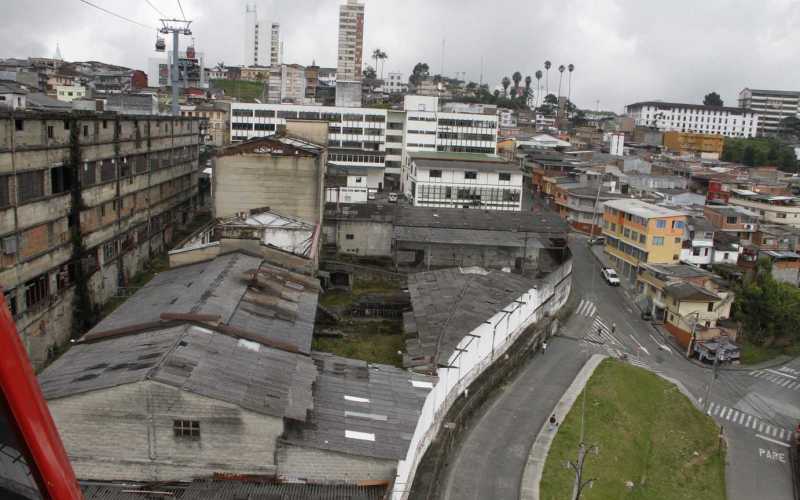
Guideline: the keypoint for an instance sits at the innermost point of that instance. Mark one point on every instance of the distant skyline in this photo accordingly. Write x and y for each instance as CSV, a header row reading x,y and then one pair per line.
x,y
624,51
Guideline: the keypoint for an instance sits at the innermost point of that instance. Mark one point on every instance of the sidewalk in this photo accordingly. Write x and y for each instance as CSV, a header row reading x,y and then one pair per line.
x,y
534,466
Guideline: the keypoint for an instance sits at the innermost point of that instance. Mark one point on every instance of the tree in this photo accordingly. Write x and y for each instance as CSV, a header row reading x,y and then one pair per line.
x,y
376,54
547,65
551,99
420,72
516,77
505,82
712,99
528,81
749,156
513,92
369,73
472,86
496,94
220,66
538,75
383,57
571,68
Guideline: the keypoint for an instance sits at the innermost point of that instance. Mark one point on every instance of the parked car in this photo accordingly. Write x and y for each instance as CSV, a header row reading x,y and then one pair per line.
x,y
610,276
599,240
392,197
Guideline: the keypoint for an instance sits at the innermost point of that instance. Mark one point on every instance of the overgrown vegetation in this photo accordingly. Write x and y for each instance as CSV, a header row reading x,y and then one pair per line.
x,y
646,432
243,90
769,312
760,151
374,341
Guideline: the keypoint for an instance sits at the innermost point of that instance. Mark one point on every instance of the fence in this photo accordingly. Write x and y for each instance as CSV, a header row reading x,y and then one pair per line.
x,y
476,352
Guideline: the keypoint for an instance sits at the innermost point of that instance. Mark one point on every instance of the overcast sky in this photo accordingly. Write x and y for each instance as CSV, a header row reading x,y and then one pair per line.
x,y
623,50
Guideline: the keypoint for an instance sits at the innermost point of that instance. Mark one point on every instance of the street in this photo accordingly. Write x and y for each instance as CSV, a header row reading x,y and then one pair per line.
x,y
757,409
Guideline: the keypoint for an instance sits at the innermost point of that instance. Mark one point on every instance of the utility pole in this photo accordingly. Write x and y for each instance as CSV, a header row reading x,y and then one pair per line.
x,y
176,27
714,375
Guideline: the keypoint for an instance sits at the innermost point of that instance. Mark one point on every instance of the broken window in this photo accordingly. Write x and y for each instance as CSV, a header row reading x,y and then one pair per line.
x,y
31,185
61,179
36,291
186,428
107,171
89,174
5,195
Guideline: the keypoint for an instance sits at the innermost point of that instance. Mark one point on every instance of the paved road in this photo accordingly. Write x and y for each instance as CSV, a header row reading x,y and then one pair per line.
x,y
756,410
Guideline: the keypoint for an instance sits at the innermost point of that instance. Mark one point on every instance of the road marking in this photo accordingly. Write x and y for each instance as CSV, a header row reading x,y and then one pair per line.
x,y
711,408
735,414
741,418
787,382
724,412
760,426
781,373
640,345
783,431
765,438
755,421
794,385
749,418
756,373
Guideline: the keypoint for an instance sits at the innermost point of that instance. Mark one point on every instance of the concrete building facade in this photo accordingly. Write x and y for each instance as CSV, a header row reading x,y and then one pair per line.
x,y
706,146
85,200
772,106
351,41
720,120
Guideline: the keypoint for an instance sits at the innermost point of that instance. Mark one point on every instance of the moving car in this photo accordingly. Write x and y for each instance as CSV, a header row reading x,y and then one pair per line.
x,y
610,276
599,240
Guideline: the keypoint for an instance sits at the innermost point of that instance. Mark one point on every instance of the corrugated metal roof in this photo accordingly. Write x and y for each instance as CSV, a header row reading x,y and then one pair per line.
x,y
271,307
448,304
377,406
474,219
198,360
233,490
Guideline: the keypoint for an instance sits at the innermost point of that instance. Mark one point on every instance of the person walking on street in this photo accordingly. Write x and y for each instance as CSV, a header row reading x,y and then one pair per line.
x,y
613,328
544,347
553,421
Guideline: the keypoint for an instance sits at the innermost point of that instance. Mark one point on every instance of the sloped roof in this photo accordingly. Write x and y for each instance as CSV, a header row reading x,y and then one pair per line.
x,y
194,359
689,291
449,303
475,219
272,304
362,409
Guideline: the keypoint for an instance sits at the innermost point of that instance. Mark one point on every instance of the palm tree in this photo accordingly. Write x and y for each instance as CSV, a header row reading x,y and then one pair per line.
x,y
528,81
571,68
547,65
383,57
376,54
561,69
538,75
506,82
517,77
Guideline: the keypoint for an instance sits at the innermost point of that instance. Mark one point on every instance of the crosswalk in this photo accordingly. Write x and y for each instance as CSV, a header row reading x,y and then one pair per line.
x,y
586,308
600,333
761,428
638,362
783,380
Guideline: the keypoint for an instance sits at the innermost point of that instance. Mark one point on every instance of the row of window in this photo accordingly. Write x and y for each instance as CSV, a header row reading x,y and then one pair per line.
x,y
469,174
466,137
434,192
309,115
452,122
350,157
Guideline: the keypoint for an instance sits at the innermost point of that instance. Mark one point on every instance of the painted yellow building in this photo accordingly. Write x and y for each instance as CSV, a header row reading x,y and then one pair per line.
x,y
637,232
705,145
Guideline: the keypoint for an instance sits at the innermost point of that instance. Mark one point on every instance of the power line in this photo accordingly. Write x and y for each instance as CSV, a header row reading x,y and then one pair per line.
x,y
155,9
181,7
117,15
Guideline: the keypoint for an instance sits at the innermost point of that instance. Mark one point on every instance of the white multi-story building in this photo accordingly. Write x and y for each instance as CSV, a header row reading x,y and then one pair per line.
x,y
395,84
255,35
721,120
275,44
251,35
376,138
69,93
772,106
351,41
463,180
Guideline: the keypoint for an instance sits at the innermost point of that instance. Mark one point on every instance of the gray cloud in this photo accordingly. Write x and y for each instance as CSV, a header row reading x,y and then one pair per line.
x,y
623,50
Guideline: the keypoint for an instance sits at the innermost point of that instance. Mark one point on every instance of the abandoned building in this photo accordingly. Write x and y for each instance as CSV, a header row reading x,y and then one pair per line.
x,y
429,238
284,241
362,229
85,200
208,369
282,172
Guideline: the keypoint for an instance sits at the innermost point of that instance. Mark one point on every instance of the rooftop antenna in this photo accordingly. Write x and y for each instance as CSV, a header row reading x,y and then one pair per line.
x,y
481,82
176,27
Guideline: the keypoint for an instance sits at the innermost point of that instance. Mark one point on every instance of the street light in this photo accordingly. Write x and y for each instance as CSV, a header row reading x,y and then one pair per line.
x,y
694,330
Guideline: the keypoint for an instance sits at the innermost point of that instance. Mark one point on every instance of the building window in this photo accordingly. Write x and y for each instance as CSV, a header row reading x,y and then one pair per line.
x,y
5,196
61,179
358,180
349,237
504,176
435,173
86,130
186,428
710,307
49,131
732,220
658,241
677,240
36,291
661,224
19,125
30,185
470,175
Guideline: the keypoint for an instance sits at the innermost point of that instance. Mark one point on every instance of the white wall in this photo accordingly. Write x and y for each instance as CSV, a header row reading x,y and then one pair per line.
x,y
476,352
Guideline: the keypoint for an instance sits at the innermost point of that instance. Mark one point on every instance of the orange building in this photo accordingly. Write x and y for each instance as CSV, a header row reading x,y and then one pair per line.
x,y
705,145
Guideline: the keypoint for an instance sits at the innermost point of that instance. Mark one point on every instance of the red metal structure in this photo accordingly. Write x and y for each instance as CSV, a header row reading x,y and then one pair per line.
x,y
33,462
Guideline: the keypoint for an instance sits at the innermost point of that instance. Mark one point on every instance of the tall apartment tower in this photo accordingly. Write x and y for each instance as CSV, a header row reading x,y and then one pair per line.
x,y
772,107
251,35
351,41
275,45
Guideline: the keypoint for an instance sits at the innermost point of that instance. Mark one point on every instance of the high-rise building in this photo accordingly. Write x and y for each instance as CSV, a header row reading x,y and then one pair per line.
x,y
772,106
351,41
275,45
251,35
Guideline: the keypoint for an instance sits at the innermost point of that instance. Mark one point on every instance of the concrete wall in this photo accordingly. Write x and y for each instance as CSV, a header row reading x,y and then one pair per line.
x,y
311,130
297,463
368,238
192,255
291,185
126,433
439,255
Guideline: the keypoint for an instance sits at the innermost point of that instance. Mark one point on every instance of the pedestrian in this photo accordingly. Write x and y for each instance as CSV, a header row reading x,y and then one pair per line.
x,y
553,421
544,347
613,328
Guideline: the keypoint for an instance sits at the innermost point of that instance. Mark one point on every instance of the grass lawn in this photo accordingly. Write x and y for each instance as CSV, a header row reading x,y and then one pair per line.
x,y
646,432
242,89
753,354
375,341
